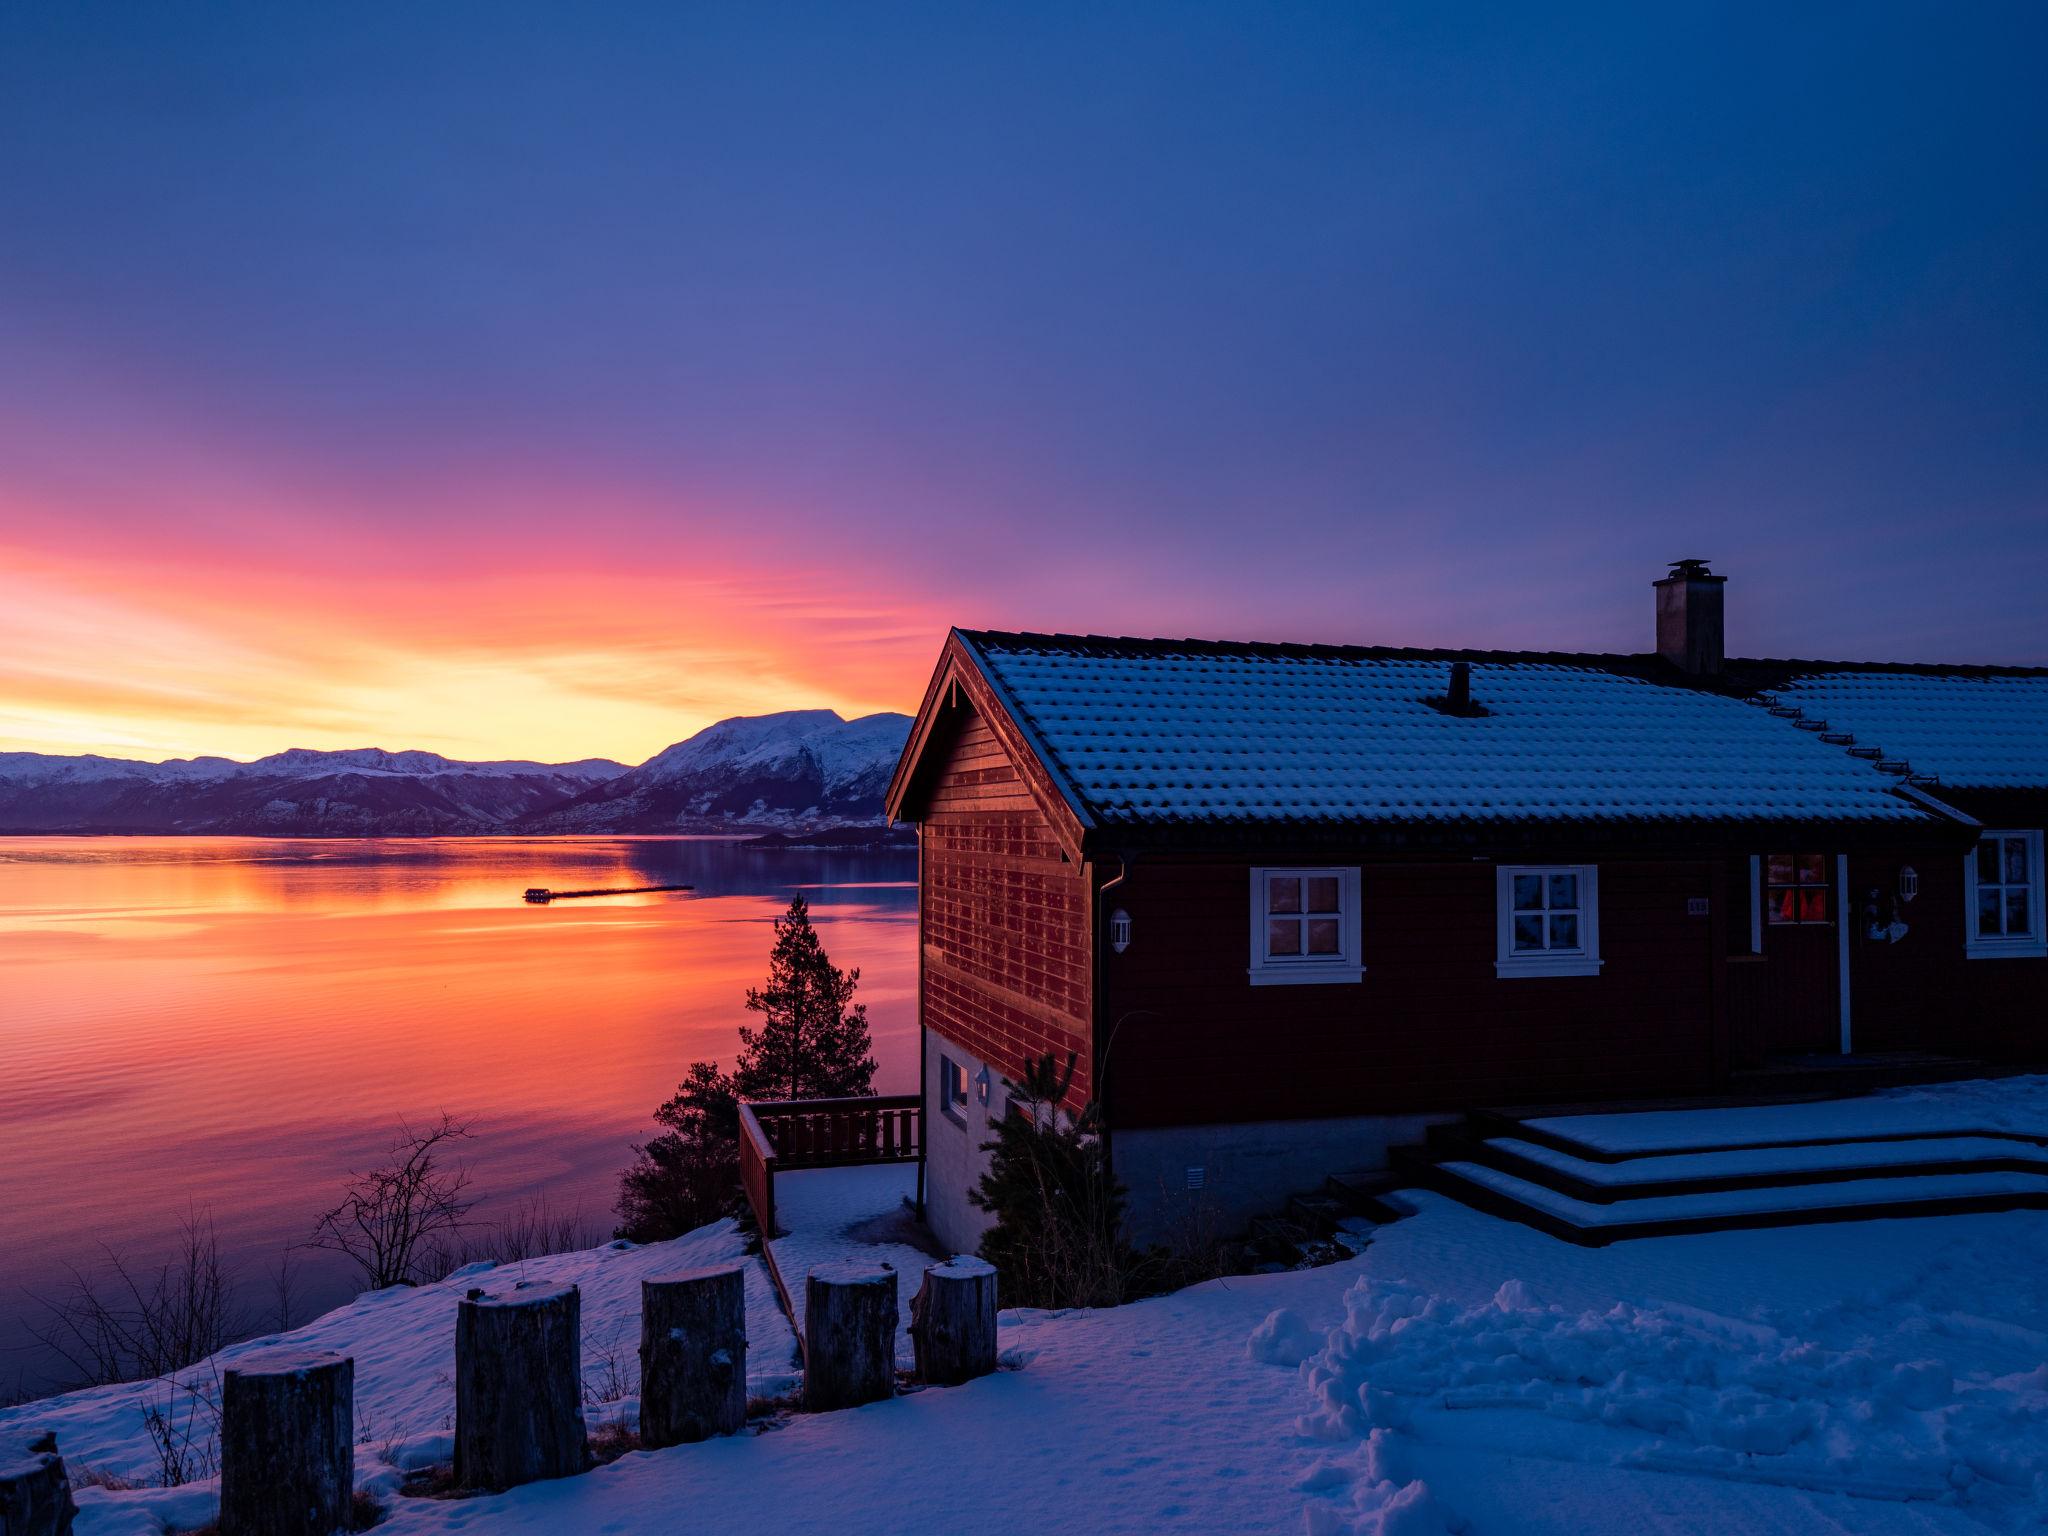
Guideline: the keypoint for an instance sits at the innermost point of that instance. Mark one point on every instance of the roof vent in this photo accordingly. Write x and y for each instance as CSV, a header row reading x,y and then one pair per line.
x,y
1457,699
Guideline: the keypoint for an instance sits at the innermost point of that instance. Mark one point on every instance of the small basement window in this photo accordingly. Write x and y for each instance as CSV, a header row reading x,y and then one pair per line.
x,y
953,1089
2002,892
1795,888
1549,920
1304,926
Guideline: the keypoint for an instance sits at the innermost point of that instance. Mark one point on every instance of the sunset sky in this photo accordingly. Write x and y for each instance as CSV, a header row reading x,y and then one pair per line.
x,y
549,381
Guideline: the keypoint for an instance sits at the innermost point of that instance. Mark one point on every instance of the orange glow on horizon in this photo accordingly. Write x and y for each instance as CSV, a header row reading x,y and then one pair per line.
x,y
178,657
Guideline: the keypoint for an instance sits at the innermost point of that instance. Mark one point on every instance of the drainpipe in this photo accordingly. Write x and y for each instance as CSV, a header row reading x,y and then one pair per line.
x,y
1098,1013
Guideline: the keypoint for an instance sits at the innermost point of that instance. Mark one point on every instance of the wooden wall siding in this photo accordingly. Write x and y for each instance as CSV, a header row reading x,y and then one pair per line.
x,y
1924,993
1003,917
1430,1027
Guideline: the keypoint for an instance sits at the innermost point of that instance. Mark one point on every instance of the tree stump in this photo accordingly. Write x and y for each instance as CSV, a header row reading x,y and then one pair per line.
x,y
35,1490
849,1335
519,1386
693,1355
287,1443
953,1321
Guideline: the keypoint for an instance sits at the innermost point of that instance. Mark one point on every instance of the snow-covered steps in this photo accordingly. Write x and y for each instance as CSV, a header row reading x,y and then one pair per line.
x,y
1596,1178
1582,1221
1676,1173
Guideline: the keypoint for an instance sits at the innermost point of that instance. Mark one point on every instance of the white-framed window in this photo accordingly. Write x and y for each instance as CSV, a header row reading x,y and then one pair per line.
x,y
1549,916
1304,926
2002,896
953,1089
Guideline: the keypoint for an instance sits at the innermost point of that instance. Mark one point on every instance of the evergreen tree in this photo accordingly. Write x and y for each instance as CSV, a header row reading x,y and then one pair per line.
x,y
1058,1233
690,1173
811,1044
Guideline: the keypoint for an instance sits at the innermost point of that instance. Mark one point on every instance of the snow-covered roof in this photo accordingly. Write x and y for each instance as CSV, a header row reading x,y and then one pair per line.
x,y
1969,728
1160,732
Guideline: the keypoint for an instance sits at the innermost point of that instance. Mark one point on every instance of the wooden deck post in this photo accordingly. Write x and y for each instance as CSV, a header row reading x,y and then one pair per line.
x,y
849,1335
287,1444
35,1490
693,1355
519,1386
953,1321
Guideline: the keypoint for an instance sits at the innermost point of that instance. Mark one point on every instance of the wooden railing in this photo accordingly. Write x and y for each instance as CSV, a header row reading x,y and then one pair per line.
x,y
781,1134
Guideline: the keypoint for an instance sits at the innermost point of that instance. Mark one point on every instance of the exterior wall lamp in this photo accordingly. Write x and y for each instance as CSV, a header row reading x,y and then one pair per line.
x,y
1119,930
1909,883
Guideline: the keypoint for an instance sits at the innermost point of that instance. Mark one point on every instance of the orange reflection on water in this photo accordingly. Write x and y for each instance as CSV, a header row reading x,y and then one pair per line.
x,y
234,1023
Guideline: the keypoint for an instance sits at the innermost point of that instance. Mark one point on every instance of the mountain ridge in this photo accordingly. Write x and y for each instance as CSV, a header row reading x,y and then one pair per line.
x,y
792,771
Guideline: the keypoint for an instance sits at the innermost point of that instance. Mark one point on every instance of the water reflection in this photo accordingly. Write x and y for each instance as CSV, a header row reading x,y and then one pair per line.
x,y
234,1023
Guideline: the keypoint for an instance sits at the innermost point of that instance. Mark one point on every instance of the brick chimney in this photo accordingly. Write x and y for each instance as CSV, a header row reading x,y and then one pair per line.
x,y
1690,634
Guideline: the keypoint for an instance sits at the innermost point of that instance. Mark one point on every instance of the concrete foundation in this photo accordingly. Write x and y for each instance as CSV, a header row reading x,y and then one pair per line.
x,y
953,1137
1193,1183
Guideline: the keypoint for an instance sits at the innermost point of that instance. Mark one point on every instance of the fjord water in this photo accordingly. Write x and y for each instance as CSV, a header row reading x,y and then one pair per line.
x,y
229,1025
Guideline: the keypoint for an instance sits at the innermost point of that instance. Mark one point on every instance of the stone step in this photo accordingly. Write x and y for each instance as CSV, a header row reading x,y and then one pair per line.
x,y
1591,1224
1691,1173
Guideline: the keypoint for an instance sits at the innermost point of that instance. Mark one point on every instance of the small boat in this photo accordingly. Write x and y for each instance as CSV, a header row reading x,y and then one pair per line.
x,y
540,893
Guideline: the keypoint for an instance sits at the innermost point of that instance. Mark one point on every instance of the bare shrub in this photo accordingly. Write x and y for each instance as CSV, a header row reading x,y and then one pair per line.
x,y
395,1217
531,1230
183,1422
611,1369
284,1292
611,1440
119,1323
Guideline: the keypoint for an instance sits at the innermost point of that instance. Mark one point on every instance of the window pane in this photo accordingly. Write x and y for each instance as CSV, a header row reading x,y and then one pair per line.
x,y
2016,861
1778,868
1564,931
1528,893
1283,936
1783,908
1987,859
1813,904
1988,908
1322,936
2016,911
1322,893
1528,931
1283,893
1564,891
1813,869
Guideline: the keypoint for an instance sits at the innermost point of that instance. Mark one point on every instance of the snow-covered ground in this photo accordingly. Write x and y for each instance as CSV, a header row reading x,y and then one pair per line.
x,y
825,1212
1464,1374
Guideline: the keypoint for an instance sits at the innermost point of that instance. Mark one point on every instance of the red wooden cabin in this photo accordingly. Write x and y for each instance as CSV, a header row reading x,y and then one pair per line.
x,y
1286,904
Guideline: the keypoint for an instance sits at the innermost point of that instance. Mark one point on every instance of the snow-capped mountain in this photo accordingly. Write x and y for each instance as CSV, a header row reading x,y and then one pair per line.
x,y
363,792
797,771
803,768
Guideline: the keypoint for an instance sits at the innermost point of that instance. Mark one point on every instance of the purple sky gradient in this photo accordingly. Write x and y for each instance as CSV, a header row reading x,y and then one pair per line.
x,y
1401,323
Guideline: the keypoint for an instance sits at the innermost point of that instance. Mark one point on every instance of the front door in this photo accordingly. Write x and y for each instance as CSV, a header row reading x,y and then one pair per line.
x,y
1800,1005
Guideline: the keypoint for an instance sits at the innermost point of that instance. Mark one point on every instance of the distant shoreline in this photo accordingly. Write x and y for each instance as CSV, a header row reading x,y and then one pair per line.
x,y
826,840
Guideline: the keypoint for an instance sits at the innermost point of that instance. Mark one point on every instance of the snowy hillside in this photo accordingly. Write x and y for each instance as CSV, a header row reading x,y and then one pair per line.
x,y
1464,1375
362,792
800,768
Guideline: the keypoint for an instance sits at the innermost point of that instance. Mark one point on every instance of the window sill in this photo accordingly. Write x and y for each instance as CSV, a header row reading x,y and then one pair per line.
x,y
1564,965
953,1115
2020,949
1306,975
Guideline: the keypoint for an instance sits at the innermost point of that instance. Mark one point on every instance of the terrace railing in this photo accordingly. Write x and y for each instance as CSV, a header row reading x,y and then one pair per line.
x,y
783,1134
